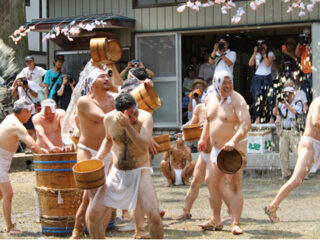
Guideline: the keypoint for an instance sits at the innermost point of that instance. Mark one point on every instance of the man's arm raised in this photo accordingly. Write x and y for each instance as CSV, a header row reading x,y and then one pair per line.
x,y
23,135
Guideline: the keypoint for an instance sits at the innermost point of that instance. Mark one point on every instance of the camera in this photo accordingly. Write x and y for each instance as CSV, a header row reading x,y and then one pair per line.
x,y
303,39
197,93
24,81
282,97
259,45
221,46
135,63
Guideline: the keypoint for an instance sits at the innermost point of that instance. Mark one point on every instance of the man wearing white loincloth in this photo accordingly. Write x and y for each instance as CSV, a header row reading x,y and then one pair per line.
x,y
47,124
308,159
227,124
91,109
11,131
129,183
180,166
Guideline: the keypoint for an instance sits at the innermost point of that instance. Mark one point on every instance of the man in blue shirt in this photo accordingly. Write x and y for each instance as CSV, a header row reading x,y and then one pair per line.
x,y
53,77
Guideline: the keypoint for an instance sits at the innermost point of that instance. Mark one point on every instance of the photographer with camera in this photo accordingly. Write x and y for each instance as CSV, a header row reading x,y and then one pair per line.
x,y
222,56
304,51
262,83
196,96
135,63
32,72
286,109
64,91
53,77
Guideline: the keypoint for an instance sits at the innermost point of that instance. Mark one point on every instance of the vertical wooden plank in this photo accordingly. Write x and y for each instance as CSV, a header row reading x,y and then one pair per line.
x,y
100,6
107,6
161,18
201,16
86,7
286,17
115,6
226,19
65,8
315,58
185,18
244,19
233,12
138,17
217,15
79,7
260,14
277,12
192,18
209,16
123,7
57,8
51,9
251,14
268,12
169,17
130,12
72,7
93,6
315,13
146,20
177,18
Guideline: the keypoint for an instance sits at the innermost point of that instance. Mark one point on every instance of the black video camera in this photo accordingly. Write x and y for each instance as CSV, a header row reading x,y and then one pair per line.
x,y
221,46
259,45
24,81
303,39
282,97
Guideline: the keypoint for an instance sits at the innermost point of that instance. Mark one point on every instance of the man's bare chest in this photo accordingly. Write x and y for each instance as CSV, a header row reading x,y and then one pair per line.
x,y
224,113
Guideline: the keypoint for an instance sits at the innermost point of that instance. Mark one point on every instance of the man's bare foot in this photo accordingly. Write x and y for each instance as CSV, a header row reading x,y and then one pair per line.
x,y
168,184
236,229
76,234
184,216
210,226
141,234
272,213
13,230
187,181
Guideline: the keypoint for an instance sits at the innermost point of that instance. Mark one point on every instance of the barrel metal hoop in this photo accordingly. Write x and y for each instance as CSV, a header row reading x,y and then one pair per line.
x,y
56,231
53,170
50,162
142,98
57,228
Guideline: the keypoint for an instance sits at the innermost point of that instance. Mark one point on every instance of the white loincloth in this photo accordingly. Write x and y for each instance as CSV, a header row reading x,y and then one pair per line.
x,y
123,187
205,156
107,160
178,177
5,162
316,150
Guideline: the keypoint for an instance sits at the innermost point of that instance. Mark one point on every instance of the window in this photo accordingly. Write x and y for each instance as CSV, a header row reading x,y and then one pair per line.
x,y
155,3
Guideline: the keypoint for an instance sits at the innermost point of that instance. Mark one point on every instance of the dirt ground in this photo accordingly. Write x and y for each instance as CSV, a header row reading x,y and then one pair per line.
x,y
300,213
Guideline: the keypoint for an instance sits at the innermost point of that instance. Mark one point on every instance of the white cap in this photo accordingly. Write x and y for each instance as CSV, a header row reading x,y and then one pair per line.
x,y
288,89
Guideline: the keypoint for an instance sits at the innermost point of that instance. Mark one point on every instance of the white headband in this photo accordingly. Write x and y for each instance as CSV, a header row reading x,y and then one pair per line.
x,y
22,104
218,80
94,74
48,103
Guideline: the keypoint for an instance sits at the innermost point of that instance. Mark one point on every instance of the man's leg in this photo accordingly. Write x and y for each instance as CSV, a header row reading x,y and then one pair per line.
x,y
166,170
301,169
187,172
284,153
236,198
7,194
99,215
197,180
149,203
79,224
139,221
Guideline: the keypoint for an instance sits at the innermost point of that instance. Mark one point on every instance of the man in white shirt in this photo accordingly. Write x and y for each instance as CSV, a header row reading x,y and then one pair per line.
x,y
32,72
287,108
222,56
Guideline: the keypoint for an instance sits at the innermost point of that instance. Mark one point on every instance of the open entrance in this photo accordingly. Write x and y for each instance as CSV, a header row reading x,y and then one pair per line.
x,y
194,44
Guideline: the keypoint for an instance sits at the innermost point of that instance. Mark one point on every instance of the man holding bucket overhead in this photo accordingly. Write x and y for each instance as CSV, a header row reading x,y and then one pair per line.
x,y
11,131
129,183
227,124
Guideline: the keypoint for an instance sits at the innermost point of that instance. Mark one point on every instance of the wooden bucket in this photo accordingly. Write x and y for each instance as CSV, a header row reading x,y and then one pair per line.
x,y
164,142
192,132
58,202
57,226
102,49
229,162
54,170
146,97
89,174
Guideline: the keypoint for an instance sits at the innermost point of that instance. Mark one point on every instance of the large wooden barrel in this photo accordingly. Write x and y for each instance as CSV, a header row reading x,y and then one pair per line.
x,y
57,226
89,174
163,141
54,170
58,202
146,97
102,49
192,132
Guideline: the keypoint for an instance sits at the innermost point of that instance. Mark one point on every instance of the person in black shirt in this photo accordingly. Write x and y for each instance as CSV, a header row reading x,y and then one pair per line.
x,y
64,91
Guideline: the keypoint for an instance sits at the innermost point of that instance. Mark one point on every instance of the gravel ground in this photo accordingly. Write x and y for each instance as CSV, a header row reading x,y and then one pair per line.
x,y
299,213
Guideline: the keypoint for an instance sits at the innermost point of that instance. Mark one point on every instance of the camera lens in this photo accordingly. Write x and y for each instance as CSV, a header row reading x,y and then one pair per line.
x,y
25,82
196,95
221,45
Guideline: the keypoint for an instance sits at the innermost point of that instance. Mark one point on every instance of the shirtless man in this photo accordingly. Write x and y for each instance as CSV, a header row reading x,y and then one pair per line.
x,y
308,159
129,183
11,131
91,109
227,124
180,166
47,124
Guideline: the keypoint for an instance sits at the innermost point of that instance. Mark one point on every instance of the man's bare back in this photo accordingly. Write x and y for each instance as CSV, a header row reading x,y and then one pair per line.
x,y
51,129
